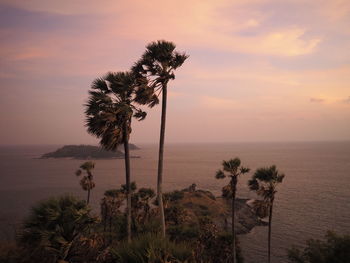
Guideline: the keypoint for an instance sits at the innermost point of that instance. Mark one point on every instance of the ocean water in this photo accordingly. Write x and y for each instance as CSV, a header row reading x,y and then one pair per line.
x,y
313,198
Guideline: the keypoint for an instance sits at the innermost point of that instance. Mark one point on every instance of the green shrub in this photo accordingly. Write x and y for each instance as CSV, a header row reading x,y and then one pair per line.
x,y
183,232
151,248
335,249
53,227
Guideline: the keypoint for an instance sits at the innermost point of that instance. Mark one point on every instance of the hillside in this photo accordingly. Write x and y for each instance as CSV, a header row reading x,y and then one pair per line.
x,y
200,203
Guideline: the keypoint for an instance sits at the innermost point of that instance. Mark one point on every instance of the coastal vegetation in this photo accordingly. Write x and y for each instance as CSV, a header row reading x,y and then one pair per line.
x,y
87,183
334,249
233,169
140,225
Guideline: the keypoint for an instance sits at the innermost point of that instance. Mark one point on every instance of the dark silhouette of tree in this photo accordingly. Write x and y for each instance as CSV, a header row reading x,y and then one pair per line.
x,y
110,205
232,169
264,183
86,181
153,71
109,112
335,249
53,228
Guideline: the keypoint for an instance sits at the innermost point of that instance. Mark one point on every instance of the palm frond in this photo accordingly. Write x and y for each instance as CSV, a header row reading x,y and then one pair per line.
x,y
220,174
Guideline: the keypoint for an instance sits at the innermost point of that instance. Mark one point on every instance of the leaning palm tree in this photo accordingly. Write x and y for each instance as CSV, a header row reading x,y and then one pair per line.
x,y
109,112
264,182
153,71
233,170
86,181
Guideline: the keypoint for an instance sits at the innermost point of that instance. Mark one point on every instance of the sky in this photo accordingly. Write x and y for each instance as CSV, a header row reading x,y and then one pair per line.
x,y
258,70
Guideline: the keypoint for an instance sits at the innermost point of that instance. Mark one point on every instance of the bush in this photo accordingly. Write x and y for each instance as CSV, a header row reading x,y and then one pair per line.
x,y
151,248
183,232
53,228
335,249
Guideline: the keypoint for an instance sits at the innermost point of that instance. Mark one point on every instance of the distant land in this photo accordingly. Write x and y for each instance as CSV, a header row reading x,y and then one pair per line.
x,y
87,152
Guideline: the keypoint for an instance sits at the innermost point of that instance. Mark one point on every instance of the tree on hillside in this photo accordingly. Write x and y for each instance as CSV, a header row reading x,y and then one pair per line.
x,y
264,182
232,169
154,70
86,181
109,112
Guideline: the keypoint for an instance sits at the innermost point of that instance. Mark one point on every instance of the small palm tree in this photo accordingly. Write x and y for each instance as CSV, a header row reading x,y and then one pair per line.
x,y
86,181
154,70
264,183
54,227
233,170
109,112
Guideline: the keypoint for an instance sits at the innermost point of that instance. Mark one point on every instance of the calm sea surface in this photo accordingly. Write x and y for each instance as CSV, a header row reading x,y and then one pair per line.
x,y
314,197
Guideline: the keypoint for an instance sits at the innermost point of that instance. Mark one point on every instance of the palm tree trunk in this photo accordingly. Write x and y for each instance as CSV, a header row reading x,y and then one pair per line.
x,y
233,187
160,159
269,237
88,196
127,178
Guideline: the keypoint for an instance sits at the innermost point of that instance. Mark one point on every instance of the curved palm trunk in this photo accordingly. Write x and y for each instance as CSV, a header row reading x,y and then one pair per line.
x,y
269,235
127,179
233,187
160,159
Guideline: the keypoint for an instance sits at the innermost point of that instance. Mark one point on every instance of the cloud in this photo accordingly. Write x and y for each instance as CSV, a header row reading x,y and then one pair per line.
x,y
347,100
316,100
213,25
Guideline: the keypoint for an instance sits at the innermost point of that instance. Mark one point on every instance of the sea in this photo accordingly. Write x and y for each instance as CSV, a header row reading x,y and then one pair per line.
x,y
313,198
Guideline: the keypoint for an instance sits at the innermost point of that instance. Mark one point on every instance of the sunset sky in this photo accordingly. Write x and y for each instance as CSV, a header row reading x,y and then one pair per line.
x,y
257,71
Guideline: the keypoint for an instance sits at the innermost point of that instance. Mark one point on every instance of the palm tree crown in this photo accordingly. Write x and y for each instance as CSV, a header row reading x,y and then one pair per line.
x,y
154,70
233,167
265,181
110,107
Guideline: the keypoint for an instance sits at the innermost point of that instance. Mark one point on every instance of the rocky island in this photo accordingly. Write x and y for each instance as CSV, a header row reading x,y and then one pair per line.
x,y
86,152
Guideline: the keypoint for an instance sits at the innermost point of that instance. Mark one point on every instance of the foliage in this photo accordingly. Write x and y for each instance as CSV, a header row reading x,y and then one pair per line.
x,y
335,249
215,246
86,181
154,70
52,228
151,248
183,232
175,215
110,107
265,180
112,217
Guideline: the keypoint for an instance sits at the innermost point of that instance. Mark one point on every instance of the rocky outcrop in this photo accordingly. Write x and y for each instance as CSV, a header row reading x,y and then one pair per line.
x,y
200,203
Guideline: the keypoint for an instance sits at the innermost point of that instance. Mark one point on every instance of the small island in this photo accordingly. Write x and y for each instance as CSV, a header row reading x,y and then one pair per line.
x,y
87,152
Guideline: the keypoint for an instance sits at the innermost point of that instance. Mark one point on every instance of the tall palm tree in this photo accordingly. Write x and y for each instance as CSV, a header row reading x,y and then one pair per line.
x,y
109,111
233,170
264,182
154,70
86,182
